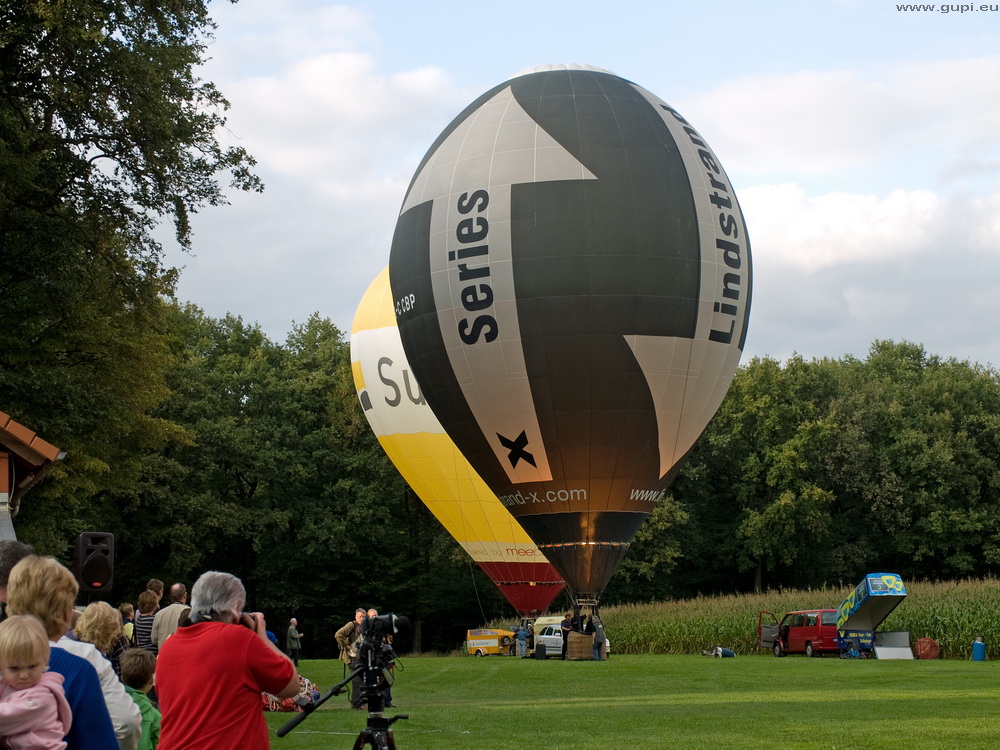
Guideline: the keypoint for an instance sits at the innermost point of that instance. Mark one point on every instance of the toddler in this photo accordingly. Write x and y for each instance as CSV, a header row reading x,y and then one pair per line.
x,y
33,709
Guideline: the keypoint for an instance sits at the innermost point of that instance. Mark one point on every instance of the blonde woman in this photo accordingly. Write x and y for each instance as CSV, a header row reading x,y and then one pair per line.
x,y
102,626
40,586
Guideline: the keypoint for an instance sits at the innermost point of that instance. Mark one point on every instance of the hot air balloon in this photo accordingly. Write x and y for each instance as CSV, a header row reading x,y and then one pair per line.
x,y
571,277
433,467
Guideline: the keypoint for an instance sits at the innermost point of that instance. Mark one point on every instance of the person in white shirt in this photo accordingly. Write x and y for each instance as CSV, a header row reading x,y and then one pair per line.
x,y
167,619
125,715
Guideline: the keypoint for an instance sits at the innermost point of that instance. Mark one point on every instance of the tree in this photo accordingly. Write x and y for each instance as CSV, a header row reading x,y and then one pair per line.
x,y
749,486
105,126
646,571
819,472
928,472
272,473
104,130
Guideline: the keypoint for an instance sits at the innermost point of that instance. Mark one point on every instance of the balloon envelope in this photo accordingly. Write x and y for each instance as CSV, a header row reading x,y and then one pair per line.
x,y
571,278
431,464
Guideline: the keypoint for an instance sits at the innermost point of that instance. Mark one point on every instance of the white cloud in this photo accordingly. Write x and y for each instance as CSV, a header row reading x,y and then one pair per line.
x,y
333,116
258,35
836,122
885,218
336,142
834,272
837,229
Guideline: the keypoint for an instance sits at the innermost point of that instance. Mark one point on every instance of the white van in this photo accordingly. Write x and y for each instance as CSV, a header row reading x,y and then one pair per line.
x,y
541,622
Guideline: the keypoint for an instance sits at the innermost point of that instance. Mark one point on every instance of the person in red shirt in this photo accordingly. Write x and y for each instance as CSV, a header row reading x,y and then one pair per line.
x,y
211,672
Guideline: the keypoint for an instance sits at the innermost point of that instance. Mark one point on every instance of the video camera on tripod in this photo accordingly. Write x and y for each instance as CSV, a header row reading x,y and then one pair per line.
x,y
376,657
373,664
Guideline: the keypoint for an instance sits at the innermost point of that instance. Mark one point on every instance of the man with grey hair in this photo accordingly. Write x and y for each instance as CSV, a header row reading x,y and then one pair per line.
x,y
293,640
211,672
348,638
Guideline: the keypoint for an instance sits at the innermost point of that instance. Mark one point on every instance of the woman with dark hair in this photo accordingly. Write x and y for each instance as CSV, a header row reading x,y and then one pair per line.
x,y
144,621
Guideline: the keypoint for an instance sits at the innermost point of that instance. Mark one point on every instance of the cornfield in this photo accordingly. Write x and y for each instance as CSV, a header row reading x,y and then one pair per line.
x,y
952,613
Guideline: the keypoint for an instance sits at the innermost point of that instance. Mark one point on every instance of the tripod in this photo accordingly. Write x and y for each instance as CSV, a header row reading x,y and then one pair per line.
x,y
378,732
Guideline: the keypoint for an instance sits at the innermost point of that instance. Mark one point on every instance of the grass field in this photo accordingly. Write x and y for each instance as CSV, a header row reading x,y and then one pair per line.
x,y
656,701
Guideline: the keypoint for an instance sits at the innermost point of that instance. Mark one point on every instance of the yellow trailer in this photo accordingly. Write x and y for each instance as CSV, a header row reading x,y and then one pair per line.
x,y
483,642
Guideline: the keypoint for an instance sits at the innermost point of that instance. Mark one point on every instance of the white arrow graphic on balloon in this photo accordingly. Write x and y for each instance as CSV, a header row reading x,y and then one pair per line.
x,y
496,146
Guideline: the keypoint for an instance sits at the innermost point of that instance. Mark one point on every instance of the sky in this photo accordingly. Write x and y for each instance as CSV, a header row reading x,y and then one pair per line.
x,y
861,136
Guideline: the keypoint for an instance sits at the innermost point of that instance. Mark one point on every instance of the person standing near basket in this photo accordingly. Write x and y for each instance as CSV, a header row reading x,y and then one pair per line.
x,y
598,637
522,641
566,626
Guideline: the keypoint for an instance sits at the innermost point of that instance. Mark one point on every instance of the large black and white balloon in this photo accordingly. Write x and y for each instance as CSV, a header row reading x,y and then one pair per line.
x,y
572,279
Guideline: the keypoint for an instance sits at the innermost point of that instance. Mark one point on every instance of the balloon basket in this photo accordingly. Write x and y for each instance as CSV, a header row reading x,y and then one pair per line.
x,y
580,647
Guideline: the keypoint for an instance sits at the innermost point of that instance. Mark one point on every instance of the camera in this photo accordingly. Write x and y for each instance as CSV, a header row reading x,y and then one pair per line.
x,y
248,620
376,656
376,628
372,664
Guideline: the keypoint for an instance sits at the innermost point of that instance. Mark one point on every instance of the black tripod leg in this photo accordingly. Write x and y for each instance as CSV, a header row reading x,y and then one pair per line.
x,y
379,739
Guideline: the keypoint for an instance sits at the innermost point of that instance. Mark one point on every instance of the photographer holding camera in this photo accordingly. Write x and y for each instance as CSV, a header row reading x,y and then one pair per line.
x,y
348,638
211,672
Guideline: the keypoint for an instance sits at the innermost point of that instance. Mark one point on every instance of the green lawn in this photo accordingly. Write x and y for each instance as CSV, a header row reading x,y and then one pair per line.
x,y
670,702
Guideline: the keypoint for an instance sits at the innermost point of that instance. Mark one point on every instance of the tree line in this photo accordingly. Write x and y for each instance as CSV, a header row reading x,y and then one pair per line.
x,y
817,472
202,444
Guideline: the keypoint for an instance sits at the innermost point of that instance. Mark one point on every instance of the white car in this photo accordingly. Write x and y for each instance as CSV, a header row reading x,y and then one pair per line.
x,y
551,637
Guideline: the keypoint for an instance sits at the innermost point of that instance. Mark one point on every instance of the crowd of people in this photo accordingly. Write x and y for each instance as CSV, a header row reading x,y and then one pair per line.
x,y
185,675
182,675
